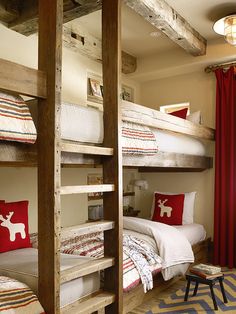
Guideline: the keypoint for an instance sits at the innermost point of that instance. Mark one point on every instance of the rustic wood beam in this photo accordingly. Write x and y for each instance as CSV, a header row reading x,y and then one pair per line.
x,y
25,20
78,39
49,155
169,22
9,10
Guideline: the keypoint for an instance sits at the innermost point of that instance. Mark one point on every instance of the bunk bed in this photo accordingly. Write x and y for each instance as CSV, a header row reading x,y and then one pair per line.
x,y
180,144
51,152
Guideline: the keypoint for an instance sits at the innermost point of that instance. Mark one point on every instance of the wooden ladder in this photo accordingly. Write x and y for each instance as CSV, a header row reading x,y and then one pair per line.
x,y
50,147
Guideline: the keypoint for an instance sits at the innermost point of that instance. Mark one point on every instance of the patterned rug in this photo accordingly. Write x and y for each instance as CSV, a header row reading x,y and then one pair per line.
x,y
201,303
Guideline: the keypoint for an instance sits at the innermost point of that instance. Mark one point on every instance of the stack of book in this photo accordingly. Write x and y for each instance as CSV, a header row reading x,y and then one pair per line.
x,y
206,271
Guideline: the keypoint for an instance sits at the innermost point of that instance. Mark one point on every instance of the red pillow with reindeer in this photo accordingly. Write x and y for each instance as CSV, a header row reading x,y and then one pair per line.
x,y
168,209
14,232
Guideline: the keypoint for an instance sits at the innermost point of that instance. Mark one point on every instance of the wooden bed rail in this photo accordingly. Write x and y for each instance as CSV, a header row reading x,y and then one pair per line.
x,y
159,120
22,80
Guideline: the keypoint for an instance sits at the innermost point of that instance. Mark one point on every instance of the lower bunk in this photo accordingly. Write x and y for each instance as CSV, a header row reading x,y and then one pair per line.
x,y
137,296
22,265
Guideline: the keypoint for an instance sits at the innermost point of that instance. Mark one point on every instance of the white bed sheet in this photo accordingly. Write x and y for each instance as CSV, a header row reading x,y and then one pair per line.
x,y
195,233
23,265
85,124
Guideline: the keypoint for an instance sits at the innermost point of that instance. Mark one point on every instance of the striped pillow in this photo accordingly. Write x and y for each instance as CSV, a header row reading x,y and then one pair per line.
x,y
16,123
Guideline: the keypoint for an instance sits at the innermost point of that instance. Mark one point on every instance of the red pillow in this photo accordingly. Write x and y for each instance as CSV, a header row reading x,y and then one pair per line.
x,y
14,232
182,113
168,208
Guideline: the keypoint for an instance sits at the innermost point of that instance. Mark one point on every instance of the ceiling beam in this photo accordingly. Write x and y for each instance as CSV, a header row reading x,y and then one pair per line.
x,y
168,21
76,38
8,11
22,16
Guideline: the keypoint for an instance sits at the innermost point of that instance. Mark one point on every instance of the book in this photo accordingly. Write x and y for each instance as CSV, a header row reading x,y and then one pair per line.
x,y
207,269
204,275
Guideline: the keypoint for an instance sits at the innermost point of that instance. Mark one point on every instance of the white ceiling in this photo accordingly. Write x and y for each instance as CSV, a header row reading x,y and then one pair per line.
x,y
201,14
136,38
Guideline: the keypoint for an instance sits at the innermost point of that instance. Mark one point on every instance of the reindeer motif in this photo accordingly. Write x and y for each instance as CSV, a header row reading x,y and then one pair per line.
x,y
13,228
165,209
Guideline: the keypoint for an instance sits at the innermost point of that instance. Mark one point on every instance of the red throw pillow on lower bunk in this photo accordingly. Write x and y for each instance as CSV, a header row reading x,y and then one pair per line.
x,y
169,209
14,233
182,113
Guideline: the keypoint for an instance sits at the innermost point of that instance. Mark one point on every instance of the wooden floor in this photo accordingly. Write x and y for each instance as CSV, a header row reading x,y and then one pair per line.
x,y
143,308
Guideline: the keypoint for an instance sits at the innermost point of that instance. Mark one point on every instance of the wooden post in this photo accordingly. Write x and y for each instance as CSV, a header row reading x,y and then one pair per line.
x,y
50,53
112,166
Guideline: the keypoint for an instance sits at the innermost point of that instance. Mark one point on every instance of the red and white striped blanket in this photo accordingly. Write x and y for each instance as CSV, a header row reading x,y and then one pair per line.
x,y
92,245
138,140
17,298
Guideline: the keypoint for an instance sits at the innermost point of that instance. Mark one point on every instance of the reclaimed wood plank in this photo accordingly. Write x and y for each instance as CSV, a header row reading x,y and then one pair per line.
x,y
49,155
85,149
161,15
86,228
159,120
78,189
17,78
112,167
93,304
78,39
26,20
89,267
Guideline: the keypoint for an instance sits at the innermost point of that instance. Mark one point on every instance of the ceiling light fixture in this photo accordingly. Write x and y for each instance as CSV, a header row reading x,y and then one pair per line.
x,y
226,26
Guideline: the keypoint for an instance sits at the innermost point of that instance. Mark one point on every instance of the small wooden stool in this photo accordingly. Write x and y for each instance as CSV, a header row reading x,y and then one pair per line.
x,y
210,282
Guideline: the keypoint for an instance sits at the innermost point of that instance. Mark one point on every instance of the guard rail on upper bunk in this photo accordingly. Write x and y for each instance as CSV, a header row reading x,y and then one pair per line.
x,y
160,120
17,78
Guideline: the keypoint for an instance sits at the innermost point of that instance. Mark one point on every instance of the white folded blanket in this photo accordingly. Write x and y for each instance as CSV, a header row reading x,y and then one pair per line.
x,y
174,248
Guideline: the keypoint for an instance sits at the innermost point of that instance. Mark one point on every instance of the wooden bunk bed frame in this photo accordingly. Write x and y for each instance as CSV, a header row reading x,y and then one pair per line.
x,y
75,156
50,153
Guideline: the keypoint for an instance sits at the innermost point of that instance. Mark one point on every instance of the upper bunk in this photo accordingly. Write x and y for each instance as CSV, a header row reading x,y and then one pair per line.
x,y
79,151
21,16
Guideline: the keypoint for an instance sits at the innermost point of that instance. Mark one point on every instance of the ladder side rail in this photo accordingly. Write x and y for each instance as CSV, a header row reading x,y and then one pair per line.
x,y
112,166
49,155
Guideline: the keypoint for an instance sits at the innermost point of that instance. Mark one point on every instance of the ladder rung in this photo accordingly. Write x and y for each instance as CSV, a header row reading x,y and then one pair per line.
x,y
88,267
93,304
89,227
77,189
86,149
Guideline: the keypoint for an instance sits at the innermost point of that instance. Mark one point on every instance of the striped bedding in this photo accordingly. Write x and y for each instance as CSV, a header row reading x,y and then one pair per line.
x,y
17,298
92,245
16,123
138,140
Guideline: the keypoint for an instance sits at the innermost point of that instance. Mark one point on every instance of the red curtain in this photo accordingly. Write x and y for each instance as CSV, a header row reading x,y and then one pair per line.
x,y
225,173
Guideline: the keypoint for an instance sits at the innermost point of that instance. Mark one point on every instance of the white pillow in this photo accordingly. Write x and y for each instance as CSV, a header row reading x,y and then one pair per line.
x,y
188,210
195,117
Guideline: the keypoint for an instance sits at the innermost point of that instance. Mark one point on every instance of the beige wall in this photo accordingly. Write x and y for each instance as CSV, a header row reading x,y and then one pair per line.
x,y
197,88
21,183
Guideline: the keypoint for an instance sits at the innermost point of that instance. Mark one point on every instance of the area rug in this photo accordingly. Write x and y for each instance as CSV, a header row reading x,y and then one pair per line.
x,y
201,303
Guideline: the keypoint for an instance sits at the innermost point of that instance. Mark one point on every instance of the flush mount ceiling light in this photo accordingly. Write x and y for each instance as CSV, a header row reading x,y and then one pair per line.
x,y
226,26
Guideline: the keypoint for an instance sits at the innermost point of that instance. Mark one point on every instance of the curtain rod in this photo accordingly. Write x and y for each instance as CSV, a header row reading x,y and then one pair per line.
x,y
213,67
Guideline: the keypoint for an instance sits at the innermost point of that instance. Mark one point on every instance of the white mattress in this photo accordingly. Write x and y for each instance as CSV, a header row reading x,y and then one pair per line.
x,y
82,124
85,124
23,265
